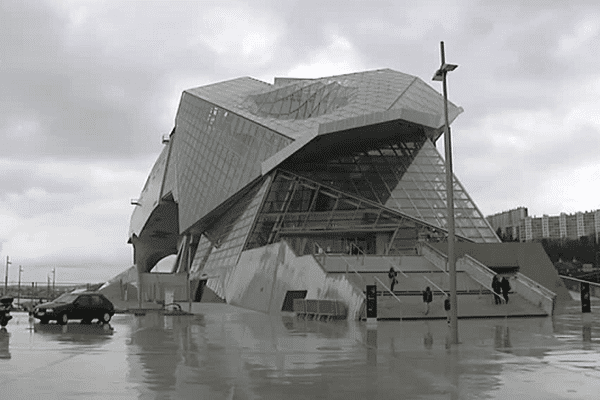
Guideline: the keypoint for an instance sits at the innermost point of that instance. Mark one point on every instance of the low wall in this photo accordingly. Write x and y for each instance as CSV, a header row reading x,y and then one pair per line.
x,y
156,285
263,276
124,287
534,292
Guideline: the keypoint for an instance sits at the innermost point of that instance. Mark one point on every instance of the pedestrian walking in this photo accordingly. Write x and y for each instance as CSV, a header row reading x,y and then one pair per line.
x,y
497,289
505,288
427,298
392,274
447,307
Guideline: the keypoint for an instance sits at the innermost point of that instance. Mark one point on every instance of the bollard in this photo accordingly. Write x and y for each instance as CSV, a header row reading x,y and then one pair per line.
x,y
586,305
371,304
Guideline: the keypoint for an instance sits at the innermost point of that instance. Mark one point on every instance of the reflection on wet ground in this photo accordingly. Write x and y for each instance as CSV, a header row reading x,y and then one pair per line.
x,y
223,352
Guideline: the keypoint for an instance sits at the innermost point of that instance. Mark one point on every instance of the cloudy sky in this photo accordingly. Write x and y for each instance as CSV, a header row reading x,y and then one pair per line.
x,y
87,89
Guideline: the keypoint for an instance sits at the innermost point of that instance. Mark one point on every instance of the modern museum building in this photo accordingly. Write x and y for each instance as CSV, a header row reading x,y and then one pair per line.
x,y
264,191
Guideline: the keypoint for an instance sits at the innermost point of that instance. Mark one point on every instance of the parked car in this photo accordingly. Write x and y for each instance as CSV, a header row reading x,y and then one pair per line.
x,y
85,306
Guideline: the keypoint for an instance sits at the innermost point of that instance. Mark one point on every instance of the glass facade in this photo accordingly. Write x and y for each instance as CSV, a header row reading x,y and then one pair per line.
x,y
216,154
422,193
150,195
404,172
302,100
170,184
222,242
306,213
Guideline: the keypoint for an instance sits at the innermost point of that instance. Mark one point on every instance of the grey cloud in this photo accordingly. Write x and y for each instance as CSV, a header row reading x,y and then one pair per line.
x,y
83,101
103,89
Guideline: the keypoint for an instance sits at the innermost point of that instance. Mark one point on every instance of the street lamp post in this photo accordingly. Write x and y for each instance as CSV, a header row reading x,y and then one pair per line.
x,y
19,288
53,282
6,277
440,75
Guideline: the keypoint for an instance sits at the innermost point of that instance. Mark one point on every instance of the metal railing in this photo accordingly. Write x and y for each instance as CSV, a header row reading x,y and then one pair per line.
x,y
388,289
437,253
406,276
480,269
574,284
324,261
386,259
438,288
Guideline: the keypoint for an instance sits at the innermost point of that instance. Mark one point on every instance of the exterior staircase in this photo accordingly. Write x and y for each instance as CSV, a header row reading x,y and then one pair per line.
x,y
415,273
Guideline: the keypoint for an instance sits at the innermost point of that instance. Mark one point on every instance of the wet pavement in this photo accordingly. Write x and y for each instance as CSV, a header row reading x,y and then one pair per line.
x,y
223,352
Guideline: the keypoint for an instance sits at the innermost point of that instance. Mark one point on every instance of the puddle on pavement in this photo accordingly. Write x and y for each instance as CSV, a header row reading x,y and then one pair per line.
x,y
253,355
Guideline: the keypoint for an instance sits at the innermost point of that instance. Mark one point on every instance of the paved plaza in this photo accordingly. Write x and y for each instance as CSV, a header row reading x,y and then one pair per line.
x,y
223,352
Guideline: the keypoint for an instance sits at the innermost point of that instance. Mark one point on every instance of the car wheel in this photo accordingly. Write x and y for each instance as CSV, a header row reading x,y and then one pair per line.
x,y
105,318
63,319
43,321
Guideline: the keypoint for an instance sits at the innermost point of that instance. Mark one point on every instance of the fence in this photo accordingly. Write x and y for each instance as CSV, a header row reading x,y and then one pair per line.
x,y
43,291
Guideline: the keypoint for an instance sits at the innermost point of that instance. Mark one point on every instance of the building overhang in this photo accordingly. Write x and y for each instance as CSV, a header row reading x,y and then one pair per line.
x,y
159,236
432,125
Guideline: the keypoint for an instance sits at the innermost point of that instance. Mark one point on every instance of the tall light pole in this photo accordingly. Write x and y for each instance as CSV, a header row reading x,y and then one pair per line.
x,y
19,288
440,75
6,277
53,281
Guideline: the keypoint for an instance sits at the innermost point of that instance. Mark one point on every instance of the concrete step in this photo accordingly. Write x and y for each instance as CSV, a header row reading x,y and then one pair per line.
x,y
469,306
373,263
415,281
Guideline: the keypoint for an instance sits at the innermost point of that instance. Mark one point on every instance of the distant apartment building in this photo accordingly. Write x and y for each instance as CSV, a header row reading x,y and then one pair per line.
x,y
509,222
517,225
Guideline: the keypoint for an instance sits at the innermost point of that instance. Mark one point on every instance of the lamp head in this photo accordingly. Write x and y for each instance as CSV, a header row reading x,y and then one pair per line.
x,y
445,68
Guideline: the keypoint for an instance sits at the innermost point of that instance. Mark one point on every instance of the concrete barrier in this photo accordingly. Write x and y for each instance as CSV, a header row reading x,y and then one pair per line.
x,y
263,276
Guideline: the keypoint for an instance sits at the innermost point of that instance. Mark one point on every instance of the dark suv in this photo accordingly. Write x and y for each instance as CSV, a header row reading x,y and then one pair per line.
x,y
85,306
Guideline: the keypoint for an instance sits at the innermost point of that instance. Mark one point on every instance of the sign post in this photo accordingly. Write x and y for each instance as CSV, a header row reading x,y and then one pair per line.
x,y
371,304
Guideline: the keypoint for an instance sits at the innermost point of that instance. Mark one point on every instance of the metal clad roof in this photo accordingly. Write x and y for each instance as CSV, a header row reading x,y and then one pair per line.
x,y
375,91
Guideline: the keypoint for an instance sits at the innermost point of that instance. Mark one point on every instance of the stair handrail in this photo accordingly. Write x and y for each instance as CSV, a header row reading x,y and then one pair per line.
x,y
354,245
439,253
386,259
406,276
487,270
547,296
346,261
430,247
353,269
388,289
536,286
439,288
321,252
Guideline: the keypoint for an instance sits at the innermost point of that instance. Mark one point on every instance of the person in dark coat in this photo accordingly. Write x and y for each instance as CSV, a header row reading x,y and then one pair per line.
x,y
497,289
427,298
505,285
447,307
392,274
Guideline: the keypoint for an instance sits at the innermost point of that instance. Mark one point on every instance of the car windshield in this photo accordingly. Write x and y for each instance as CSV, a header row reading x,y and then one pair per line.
x,y
65,298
